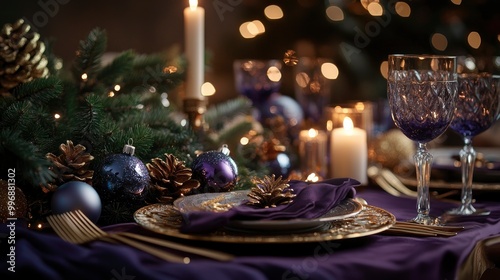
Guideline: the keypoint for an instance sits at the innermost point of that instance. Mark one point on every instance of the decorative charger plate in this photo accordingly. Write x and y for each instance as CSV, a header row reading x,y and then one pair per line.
x,y
166,219
219,202
446,170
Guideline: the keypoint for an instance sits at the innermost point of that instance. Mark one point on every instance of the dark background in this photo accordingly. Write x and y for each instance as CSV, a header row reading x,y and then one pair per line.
x,y
157,25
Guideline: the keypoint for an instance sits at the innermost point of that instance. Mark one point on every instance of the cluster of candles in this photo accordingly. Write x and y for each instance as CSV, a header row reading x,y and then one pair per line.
x,y
339,152
347,155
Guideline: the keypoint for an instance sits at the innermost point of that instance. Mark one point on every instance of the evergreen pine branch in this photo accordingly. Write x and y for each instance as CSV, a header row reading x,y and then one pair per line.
x,y
217,116
11,115
24,156
139,136
39,91
149,71
231,135
113,72
121,105
88,58
53,62
5,101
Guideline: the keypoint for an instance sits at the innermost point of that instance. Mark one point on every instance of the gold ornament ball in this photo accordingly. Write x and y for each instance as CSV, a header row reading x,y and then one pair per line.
x,y
391,148
13,203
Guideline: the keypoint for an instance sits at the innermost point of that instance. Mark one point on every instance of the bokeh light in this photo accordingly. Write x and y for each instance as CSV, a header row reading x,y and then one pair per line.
x,y
273,12
439,41
274,74
384,69
207,89
335,13
402,9
375,9
474,40
330,70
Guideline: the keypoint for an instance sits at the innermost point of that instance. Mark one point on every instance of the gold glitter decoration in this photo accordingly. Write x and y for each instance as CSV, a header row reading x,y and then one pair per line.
x,y
290,58
16,199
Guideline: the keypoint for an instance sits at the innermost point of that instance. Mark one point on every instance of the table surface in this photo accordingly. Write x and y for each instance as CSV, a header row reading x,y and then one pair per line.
x,y
378,256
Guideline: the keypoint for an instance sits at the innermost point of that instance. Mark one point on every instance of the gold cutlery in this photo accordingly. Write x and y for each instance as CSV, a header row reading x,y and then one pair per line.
x,y
409,228
76,228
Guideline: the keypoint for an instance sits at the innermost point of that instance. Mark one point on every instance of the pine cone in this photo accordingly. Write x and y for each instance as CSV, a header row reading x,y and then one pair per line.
x,y
21,55
271,192
171,178
71,165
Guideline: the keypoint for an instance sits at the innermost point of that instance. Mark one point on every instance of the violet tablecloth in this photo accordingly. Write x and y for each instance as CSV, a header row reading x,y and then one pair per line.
x,y
45,256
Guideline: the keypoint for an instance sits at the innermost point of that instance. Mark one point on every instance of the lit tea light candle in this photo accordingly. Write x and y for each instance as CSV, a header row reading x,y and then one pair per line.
x,y
194,24
349,152
312,152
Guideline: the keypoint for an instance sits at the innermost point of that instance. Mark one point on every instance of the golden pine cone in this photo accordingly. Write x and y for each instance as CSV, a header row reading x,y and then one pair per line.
x,y
21,55
171,178
270,192
71,165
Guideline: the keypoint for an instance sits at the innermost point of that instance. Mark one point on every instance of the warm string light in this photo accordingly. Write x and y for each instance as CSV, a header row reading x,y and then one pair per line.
x,y
251,29
207,89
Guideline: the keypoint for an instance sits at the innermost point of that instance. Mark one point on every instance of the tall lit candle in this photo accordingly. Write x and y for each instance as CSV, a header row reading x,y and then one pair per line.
x,y
349,152
194,24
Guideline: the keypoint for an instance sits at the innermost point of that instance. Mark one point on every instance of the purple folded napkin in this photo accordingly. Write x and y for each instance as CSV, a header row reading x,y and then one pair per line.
x,y
312,200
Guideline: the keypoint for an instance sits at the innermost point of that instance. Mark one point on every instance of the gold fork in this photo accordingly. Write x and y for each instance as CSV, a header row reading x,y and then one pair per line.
x,y
76,228
418,229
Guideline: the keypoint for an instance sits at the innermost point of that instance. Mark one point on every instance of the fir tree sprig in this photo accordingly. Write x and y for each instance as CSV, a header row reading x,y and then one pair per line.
x,y
88,56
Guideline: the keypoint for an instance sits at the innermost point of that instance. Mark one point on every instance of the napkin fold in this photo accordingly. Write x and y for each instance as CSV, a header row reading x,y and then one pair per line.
x,y
312,200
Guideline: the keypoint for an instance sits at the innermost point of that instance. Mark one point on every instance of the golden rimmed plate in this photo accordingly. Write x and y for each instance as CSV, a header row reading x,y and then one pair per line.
x,y
166,219
219,202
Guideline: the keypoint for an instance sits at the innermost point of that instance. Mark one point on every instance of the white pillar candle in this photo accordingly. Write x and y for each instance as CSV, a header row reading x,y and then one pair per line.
x,y
194,35
349,152
312,153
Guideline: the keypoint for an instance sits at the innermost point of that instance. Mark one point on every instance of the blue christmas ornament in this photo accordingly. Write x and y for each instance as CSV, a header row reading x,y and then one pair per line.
x,y
215,170
279,105
76,195
122,177
280,166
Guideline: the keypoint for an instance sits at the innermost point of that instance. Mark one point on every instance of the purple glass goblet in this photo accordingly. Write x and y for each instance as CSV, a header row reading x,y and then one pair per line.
x,y
477,109
422,91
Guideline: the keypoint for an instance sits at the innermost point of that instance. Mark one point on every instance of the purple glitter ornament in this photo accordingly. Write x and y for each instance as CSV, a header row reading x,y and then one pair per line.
x,y
216,171
121,177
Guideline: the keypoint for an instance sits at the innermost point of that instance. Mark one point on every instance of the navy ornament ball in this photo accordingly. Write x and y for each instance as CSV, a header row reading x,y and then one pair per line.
x,y
215,170
76,195
122,177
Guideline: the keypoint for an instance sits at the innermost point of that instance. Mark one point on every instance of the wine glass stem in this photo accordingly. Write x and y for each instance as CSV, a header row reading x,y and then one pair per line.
x,y
467,159
423,160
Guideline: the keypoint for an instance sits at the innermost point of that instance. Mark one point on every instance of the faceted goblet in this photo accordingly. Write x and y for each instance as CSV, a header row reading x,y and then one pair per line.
x,y
477,109
422,92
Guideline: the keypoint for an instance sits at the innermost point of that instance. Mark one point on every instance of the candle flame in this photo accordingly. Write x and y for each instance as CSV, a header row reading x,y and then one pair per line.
x,y
348,125
312,133
193,4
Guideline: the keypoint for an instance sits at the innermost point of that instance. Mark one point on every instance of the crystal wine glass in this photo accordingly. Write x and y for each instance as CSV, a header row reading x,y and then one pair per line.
x,y
477,108
422,91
